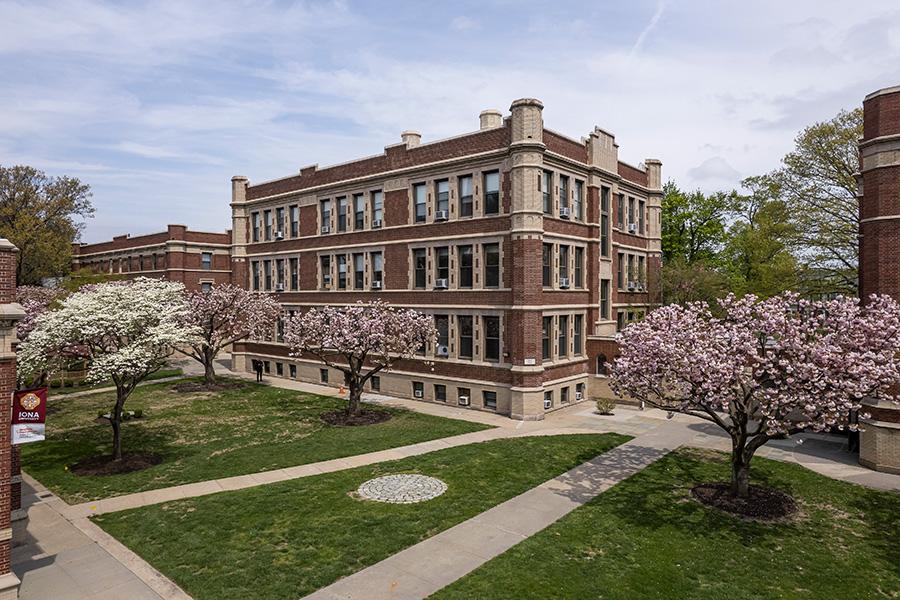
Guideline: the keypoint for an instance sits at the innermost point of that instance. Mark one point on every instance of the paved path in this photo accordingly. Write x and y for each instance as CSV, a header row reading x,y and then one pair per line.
x,y
425,568
112,388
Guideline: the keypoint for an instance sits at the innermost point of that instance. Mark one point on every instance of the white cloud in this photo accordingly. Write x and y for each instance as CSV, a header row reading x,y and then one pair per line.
x,y
464,23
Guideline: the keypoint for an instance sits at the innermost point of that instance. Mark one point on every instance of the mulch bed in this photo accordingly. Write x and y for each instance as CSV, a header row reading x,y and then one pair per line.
x,y
340,418
200,386
765,504
105,465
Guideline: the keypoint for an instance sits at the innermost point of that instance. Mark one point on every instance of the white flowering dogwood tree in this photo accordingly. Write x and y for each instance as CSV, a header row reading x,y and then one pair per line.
x,y
124,331
359,340
760,369
224,315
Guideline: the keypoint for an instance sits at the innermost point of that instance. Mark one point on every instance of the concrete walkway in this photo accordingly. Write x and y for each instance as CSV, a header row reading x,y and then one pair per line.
x,y
425,568
112,388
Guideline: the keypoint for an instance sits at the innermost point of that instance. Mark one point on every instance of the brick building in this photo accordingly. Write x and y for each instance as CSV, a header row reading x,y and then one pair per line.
x,y
530,248
879,251
195,258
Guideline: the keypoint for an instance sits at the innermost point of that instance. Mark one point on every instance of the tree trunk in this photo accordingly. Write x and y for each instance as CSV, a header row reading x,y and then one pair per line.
x,y
116,422
354,397
740,477
209,365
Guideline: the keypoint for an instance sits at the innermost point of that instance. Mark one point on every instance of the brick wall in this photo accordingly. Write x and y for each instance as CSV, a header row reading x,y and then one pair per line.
x,y
8,581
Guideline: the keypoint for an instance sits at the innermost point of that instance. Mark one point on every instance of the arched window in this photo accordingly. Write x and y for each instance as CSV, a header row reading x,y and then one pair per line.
x,y
601,365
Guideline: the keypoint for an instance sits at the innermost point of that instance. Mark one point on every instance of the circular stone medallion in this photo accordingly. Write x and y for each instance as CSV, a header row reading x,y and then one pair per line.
x,y
402,489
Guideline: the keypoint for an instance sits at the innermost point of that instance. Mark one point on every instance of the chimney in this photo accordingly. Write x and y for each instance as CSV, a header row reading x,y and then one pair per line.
x,y
490,118
527,124
411,138
239,188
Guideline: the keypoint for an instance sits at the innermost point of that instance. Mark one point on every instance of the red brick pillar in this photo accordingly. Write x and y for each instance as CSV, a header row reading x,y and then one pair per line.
x,y
9,314
879,252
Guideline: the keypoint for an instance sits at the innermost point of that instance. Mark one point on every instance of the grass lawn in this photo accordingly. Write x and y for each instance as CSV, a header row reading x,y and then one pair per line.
x,y
208,435
288,539
645,538
80,387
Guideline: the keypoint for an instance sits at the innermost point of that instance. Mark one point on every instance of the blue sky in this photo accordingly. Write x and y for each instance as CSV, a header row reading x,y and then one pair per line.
x,y
156,105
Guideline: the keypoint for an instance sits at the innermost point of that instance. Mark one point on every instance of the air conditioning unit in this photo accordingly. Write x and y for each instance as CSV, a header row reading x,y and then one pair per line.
x,y
326,280
579,396
418,393
376,224
326,229
279,235
632,228
376,285
564,283
442,351
548,404
441,215
463,400
631,286
279,287
440,284
563,212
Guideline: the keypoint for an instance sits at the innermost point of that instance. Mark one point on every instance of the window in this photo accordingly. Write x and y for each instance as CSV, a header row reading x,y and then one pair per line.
x,y
602,369
292,371
256,224
377,268
620,321
492,193
465,266
620,271
375,383
579,200
419,200
577,325
641,209
564,395
563,191
267,366
359,271
620,211
489,399
563,262
604,298
442,263
604,221
140,263
491,338
255,269
631,220
279,220
295,273
418,389
206,261
323,375
325,263
442,195
267,218
440,392
465,196
342,213
279,272
359,211
562,348
342,271
546,327
442,324
548,399
295,221
325,212
377,208
547,189
547,265
579,391
632,275
642,272
267,274
206,286
463,395
491,265
279,369
420,265
465,336
579,267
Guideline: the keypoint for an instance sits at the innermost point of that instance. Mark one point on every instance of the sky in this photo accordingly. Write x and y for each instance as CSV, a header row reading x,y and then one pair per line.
x,y
157,105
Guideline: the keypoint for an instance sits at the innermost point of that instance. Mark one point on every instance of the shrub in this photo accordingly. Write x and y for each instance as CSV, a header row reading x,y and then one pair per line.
x,y
605,406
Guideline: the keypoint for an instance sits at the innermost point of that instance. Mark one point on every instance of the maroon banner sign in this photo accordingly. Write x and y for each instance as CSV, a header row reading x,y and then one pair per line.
x,y
29,411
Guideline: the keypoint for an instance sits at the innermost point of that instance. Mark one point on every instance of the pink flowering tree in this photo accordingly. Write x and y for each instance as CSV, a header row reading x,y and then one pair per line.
x,y
359,340
760,369
36,300
224,315
124,330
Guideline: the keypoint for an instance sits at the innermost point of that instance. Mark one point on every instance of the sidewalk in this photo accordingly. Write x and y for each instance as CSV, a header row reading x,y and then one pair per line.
x,y
425,568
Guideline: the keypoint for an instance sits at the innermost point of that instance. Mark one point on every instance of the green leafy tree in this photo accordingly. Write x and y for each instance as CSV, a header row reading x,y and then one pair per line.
x,y
38,214
817,181
693,224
